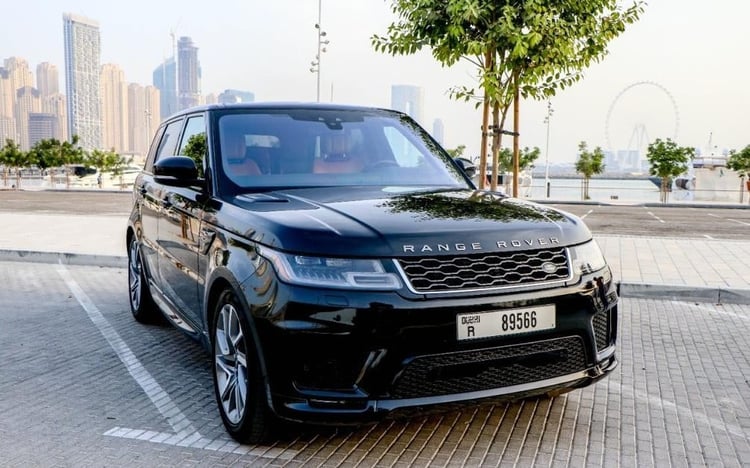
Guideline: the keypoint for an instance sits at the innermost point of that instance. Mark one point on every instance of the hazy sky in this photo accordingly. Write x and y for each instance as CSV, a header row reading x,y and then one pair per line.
x,y
692,54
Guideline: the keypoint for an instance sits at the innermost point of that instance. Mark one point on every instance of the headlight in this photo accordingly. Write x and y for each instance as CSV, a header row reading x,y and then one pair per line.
x,y
587,258
346,273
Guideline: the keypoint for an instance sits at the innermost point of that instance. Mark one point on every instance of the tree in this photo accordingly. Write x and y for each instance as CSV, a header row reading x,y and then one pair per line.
x,y
740,162
668,160
54,153
196,149
456,152
519,48
11,157
588,164
106,161
527,157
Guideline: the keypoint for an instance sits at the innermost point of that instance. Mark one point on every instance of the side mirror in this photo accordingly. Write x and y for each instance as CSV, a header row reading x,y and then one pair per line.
x,y
178,171
469,168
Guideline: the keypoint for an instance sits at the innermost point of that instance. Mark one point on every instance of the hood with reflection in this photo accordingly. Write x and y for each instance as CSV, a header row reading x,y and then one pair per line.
x,y
470,206
391,221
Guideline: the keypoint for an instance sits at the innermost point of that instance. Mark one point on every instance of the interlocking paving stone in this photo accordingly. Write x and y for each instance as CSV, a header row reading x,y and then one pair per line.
x,y
680,397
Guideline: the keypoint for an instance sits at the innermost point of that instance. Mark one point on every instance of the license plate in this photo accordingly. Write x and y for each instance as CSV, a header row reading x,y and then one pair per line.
x,y
505,322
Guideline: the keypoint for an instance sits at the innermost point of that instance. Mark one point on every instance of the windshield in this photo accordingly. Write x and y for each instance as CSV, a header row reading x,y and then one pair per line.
x,y
266,149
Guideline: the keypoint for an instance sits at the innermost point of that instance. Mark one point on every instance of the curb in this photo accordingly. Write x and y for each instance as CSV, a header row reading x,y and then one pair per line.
x,y
674,292
64,258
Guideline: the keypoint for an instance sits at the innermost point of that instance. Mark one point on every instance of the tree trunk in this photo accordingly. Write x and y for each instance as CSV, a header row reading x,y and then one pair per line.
x,y
496,139
516,123
488,62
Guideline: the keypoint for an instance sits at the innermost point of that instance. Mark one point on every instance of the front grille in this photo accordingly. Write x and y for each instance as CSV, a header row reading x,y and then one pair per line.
x,y
601,329
489,368
481,271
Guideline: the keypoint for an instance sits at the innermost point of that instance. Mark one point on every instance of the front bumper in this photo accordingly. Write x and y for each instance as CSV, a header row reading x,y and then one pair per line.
x,y
333,357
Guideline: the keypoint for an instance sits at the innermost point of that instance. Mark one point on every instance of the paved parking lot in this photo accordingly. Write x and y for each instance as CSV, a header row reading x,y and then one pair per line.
x,y
82,384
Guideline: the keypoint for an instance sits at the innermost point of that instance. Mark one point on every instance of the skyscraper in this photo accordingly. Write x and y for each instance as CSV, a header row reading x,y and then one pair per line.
x,y
7,97
165,80
408,99
47,79
114,91
188,73
27,102
438,131
82,55
143,116
41,127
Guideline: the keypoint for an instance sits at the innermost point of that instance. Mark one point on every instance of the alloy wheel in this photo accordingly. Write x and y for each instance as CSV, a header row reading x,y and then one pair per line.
x,y
134,275
230,362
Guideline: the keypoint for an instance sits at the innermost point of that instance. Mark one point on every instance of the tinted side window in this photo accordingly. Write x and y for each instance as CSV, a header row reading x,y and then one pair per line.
x,y
193,143
152,149
168,143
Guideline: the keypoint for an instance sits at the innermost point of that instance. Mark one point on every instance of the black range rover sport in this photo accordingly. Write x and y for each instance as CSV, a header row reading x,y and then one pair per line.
x,y
340,266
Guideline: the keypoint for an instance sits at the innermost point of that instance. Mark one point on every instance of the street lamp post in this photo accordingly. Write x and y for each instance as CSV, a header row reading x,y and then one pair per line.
x,y
547,119
315,64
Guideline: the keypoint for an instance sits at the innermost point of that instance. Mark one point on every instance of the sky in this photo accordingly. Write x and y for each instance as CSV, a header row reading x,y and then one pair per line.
x,y
680,72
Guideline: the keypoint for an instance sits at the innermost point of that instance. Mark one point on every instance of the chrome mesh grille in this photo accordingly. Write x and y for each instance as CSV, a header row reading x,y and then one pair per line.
x,y
480,271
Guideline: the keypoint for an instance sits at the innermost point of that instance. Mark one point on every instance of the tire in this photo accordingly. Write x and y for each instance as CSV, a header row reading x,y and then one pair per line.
x,y
238,383
141,303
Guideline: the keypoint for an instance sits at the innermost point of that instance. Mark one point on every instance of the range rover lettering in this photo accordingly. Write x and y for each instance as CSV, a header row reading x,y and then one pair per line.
x,y
340,267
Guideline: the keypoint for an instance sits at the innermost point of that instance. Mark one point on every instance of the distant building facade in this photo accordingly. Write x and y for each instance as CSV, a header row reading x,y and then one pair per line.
x,y
42,126
408,99
165,80
143,116
82,57
438,131
230,96
47,79
27,102
188,73
114,93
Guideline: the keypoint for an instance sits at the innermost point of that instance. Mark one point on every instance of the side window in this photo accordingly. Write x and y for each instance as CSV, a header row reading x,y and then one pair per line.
x,y
152,149
193,143
404,151
168,143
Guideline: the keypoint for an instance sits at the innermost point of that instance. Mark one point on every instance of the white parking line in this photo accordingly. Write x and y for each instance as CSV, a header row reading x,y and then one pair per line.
x,y
708,237
738,222
590,211
656,217
185,435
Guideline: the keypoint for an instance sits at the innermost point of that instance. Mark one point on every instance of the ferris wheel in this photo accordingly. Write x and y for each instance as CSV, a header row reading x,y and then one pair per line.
x,y
647,112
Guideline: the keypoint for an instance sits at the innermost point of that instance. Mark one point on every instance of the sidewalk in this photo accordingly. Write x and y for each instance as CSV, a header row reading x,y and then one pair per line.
x,y
700,270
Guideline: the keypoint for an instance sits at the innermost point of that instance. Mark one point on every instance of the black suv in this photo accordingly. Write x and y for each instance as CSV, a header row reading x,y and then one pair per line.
x,y
340,266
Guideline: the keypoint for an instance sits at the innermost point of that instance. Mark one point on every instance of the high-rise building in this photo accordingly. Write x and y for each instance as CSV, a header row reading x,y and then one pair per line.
x,y
42,127
143,116
82,57
165,80
7,130
230,96
47,79
7,96
114,92
188,73
55,104
27,102
408,99
19,73
438,131
19,78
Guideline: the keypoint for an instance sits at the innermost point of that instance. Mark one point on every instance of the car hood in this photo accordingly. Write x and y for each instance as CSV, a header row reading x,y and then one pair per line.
x,y
388,222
